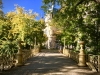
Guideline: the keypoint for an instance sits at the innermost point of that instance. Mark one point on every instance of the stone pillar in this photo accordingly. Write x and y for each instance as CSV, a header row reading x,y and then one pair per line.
x,y
64,46
64,42
82,61
19,55
98,63
49,43
35,40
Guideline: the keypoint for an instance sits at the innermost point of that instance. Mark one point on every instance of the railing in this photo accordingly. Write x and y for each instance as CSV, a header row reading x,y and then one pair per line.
x,y
26,54
71,54
94,60
7,62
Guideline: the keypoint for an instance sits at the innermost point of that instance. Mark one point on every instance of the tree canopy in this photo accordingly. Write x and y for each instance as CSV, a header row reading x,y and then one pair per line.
x,y
79,20
20,24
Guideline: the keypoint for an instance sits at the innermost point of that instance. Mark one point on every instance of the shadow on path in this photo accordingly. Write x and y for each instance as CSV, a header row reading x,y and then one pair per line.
x,y
50,63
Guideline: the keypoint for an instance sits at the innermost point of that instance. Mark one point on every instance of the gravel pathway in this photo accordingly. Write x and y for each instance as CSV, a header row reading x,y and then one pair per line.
x,y
50,63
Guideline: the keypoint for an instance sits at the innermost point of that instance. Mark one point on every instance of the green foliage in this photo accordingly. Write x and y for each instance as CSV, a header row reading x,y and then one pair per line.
x,y
79,20
8,47
19,25
7,44
25,27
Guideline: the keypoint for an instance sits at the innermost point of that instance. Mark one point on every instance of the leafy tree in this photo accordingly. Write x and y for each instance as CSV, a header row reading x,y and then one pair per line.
x,y
7,44
78,16
24,26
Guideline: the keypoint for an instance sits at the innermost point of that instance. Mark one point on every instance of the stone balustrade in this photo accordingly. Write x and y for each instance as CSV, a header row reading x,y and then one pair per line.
x,y
93,61
35,50
71,54
26,55
7,62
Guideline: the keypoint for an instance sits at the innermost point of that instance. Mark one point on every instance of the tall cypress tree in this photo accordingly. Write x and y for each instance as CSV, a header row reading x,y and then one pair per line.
x,y
1,12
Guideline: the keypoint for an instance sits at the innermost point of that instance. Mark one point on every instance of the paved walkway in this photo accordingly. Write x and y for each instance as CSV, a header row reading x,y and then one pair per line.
x,y
50,63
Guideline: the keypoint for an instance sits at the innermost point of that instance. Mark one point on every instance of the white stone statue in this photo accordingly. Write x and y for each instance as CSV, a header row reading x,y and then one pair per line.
x,y
50,31
48,18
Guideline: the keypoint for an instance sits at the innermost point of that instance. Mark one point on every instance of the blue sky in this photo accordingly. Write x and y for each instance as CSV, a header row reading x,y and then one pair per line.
x,y
35,5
